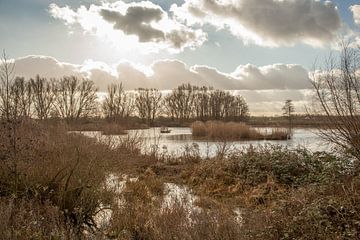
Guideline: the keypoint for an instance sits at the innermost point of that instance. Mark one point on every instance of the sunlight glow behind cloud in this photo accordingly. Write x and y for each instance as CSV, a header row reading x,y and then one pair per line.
x,y
141,25
356,13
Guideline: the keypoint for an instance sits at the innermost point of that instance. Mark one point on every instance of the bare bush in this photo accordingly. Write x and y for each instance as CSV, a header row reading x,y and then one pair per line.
x,y
337,97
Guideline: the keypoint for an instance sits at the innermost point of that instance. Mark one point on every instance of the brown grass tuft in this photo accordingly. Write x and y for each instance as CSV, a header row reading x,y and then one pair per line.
x,y
217,130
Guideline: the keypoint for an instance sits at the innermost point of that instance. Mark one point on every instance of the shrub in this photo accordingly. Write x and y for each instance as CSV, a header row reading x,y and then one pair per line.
x,y
27,219
46,164
242,171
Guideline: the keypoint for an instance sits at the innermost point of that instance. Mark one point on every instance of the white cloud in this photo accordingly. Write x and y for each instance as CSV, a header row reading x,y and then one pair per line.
x,y
264,88
356,13
139,25
46,66
266,22
168,74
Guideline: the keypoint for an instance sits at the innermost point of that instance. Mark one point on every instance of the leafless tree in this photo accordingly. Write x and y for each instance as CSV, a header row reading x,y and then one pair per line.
x,y
118,104
87,94
337,99
220,104
148,103
7,77
239,109
202,103
288,112
75,98
43,94
22,97
169,106
180,102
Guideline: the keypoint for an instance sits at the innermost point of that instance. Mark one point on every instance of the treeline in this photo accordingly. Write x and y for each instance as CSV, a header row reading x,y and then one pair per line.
x,y
72,98
67,98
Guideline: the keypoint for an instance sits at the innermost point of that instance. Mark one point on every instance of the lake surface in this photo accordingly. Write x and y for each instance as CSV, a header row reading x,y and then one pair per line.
x,y
180,140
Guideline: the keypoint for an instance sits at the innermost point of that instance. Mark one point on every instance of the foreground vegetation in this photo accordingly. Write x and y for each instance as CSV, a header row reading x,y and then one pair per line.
x,y
56,185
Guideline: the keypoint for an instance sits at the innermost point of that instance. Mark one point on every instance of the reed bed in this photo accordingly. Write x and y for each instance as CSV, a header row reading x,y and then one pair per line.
x,y
217,130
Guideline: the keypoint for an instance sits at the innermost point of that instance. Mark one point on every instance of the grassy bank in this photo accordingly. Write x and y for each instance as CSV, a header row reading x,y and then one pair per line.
x,y
216,130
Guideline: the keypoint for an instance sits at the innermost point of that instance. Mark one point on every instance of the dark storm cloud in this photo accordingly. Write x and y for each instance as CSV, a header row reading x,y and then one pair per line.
x,y
137,21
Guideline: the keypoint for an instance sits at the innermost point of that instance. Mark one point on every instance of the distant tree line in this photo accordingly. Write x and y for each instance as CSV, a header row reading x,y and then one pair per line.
x,y
203,103
182,103
68,98
72,98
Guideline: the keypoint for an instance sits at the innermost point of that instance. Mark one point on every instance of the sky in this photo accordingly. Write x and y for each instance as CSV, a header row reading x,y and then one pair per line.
x,y
262,49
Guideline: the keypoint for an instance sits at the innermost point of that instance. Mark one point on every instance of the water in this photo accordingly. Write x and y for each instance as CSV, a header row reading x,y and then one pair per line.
x,y
177,141
180,140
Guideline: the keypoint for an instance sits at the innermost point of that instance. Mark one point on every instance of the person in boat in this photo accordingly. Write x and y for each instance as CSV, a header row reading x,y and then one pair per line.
x,y
164,129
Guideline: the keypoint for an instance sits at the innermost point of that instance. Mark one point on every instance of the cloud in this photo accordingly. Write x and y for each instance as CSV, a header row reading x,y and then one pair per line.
x,y
264,88
266,22
46,66
136,21
168,74
142,25
356,13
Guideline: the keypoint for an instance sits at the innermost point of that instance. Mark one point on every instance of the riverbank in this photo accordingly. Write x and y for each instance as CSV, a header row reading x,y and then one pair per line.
x,y
101,124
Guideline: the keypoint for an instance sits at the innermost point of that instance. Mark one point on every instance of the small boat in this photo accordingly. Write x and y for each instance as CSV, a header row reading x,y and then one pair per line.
x,y
165,130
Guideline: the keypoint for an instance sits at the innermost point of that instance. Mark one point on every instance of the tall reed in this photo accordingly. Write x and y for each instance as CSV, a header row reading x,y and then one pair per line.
x,y
217,130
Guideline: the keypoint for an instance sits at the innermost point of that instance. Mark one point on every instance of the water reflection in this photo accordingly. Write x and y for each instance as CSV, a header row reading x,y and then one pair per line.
x,y
180,140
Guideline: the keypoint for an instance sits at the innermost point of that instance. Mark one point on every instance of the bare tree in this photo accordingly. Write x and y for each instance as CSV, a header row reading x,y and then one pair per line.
x,y
169,106
118,104
217,101
148,103
43,94
87,94
6,80
288,112
179,103
202,103
21,92
337,99
239,109
75,98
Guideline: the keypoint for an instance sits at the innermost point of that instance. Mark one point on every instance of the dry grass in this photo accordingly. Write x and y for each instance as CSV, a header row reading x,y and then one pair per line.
x,y
216,130
26,219
142,215
52,184
44,163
